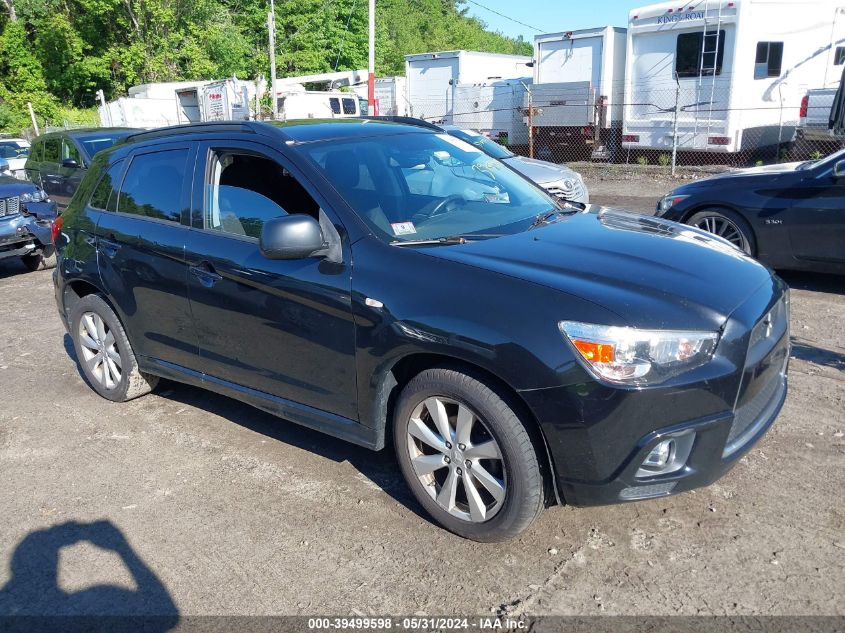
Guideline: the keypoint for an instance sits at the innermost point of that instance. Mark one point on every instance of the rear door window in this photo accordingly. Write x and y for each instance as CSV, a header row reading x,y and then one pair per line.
x,y
154,184
105,195
349,106
334,103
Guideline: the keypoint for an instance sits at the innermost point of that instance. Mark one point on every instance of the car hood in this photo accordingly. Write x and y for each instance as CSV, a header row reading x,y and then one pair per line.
x,y
10,186
750,172
540,171
651,273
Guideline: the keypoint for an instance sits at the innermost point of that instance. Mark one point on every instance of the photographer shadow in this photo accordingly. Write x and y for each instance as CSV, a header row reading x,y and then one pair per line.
x,y
32,600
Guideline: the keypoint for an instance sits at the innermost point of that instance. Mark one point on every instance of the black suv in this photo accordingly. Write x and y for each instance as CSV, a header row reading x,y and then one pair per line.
x,y
387,283
58,161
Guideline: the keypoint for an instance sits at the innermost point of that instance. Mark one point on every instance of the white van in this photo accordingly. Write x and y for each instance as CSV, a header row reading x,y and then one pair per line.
x,y
316,104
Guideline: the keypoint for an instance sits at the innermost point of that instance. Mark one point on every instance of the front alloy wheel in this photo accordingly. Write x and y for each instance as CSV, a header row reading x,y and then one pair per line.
x,y
456,459
727,225
466,454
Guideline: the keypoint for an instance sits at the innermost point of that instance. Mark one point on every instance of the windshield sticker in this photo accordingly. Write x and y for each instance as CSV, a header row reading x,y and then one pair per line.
x,y
403,228
461,145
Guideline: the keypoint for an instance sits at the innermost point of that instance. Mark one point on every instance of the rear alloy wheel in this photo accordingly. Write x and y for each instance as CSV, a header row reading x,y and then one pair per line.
x,y
467,456
727,225
104,352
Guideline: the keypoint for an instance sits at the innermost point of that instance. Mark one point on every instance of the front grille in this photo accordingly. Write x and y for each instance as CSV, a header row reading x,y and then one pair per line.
x,y
755,413
764,377
569,189
10,206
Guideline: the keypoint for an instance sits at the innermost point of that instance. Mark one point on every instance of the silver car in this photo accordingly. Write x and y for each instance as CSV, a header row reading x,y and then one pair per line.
x,y
558,180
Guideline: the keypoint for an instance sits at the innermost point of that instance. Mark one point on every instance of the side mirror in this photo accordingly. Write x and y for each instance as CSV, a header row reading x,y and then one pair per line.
x,y
291,237
70,163
839,169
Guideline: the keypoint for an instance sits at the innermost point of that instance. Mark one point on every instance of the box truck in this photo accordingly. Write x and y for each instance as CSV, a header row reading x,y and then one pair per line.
x,y
578,92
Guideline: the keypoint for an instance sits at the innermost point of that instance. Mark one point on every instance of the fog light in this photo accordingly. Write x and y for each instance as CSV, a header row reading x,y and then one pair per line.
x,y
660,455
667,456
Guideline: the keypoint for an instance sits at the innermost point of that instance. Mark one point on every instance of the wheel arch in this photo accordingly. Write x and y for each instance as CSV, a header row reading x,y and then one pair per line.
x,y
407,367
723,206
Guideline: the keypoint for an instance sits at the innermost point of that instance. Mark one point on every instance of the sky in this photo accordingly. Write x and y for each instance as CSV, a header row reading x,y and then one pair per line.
x,y
551,16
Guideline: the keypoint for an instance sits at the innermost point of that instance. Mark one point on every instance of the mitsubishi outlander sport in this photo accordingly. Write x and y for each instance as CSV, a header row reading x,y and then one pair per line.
x,y
394,286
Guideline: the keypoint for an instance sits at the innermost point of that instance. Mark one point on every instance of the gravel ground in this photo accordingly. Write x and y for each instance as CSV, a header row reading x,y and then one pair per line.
x,y
184,501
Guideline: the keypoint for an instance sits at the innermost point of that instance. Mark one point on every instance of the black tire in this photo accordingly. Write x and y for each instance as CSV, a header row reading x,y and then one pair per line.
x,y
41,260
132,383
524,490
741,225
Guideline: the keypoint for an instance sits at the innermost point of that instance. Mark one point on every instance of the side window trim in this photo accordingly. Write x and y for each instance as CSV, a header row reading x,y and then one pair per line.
x,y
187,181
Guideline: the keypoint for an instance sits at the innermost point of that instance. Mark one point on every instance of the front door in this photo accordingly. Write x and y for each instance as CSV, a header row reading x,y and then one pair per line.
x,y
280,327
816,218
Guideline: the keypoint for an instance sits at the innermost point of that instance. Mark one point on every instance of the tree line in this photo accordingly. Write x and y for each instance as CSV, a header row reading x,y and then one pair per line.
x,y
56,54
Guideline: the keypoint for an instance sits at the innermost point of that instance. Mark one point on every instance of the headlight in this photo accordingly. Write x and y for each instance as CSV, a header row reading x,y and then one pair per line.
x,y
638,357
35,196
669,201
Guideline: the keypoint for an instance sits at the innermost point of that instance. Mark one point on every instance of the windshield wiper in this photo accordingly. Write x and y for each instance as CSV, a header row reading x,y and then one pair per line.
x,y
452,239
547,216
445,241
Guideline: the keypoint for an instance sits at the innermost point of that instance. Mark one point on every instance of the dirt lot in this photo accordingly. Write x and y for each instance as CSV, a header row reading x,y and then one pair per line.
x,y
183,501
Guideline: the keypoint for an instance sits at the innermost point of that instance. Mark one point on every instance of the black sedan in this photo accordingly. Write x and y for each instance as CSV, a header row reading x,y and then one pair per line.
x,y
790,216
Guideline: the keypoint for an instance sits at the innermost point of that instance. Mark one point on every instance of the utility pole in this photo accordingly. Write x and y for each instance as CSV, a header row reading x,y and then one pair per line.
x,y
371,68
271,32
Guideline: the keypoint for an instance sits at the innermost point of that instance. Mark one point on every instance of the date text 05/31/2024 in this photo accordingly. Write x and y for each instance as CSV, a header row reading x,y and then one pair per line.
x,y
416,623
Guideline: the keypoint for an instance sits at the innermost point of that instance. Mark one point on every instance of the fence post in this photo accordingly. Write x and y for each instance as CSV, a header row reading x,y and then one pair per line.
x,y
32,116
675,125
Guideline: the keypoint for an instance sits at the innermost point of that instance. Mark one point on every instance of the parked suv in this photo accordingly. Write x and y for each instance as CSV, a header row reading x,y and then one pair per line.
x,y
514,350
57,161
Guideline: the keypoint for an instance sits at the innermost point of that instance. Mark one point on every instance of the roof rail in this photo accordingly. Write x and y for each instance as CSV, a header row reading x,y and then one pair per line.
x,y
407,120
193,128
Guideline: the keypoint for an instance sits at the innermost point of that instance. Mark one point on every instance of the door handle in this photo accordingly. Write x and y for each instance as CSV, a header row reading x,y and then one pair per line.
x,y
206,275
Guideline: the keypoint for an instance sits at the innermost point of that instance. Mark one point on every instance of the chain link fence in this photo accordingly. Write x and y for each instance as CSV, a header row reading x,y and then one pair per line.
x,y
681,128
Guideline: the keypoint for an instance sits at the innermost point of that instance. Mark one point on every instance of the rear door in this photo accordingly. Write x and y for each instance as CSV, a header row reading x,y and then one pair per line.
x,y
141,253
283,328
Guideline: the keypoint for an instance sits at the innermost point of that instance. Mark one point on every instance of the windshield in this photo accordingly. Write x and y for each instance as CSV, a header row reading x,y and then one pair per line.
x,y
94,144
486,145
422,186
13,149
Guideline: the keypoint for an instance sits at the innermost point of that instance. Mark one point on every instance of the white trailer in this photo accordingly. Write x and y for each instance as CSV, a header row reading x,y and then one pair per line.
x,y
579,82
433,77
726,75
494,109
294,102
172,103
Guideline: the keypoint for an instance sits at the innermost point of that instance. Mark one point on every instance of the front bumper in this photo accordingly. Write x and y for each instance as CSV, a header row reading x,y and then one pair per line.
x,y
597,454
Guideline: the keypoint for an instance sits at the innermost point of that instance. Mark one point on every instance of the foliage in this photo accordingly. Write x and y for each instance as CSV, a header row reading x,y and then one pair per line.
x,y
664,159
63,51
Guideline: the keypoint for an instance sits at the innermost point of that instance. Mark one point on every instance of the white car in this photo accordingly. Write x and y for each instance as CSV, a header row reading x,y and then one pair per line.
x,y
15,151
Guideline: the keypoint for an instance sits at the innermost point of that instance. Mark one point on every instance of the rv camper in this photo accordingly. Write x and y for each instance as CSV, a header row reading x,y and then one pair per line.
x,y
432,78
577,97
726,75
